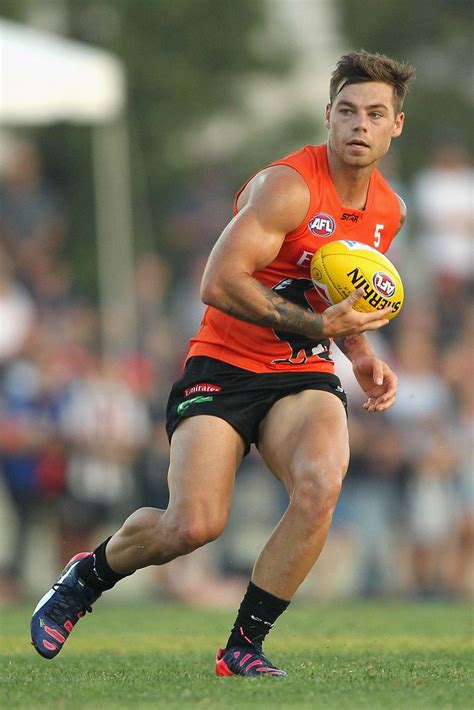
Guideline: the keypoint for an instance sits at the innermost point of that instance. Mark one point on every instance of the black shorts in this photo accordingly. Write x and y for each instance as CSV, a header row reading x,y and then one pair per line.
x,y
238,396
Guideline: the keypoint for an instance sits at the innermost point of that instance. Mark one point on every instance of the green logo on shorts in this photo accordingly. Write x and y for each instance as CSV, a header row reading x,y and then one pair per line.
x,y
181,408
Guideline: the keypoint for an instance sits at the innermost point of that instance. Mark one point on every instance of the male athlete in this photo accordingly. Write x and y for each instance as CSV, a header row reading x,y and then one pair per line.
x,y
260,370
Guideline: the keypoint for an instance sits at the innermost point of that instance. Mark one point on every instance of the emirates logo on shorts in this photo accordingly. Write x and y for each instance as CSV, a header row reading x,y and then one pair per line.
x,y
201,388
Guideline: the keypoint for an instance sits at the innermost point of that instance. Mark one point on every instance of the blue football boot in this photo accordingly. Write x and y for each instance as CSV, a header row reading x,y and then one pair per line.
x,y
59,610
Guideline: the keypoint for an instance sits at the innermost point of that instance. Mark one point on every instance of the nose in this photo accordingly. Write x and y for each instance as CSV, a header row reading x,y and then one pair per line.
x,y
360,121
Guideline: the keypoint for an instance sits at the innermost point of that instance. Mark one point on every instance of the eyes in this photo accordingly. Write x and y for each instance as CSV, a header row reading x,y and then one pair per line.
x,y
374,115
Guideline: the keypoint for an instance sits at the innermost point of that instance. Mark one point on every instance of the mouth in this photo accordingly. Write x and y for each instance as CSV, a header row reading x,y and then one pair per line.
x,y
359,143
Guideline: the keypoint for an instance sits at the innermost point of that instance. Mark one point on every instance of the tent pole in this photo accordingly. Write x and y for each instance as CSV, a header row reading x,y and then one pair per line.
x,y
115,255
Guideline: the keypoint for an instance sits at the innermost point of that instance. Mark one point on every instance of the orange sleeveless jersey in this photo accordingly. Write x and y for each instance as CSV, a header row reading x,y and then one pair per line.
x,y
261,349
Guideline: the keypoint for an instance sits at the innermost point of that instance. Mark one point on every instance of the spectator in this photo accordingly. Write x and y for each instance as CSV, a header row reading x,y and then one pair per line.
x,y
31,220
31,464
431,512
443,201
424,398
105,426
414,466
198,215
371,506
457,371
16,312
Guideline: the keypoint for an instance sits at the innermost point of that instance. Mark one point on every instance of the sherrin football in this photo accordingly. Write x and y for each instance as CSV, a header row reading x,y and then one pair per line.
x,y
338,268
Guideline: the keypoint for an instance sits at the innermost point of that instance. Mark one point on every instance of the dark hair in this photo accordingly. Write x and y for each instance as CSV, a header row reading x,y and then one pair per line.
x,y
357,67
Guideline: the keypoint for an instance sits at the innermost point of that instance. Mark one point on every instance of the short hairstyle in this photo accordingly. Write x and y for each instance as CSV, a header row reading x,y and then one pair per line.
x,y
357,67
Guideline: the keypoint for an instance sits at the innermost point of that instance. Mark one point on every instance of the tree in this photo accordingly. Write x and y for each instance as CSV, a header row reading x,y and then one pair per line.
x,y
436,37
183,59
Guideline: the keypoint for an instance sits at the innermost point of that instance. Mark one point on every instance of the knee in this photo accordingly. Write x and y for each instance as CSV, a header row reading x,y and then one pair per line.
x,y
317,485
190,534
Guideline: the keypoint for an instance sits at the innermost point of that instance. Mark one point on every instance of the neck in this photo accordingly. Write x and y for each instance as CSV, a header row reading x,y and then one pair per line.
x,y
351,181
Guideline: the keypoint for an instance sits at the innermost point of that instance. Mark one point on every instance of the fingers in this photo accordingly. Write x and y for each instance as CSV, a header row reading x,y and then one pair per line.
x,y
359,293
376,315
379,404
383,401
355,296
372,325
382,396
367,321
342,318
377,373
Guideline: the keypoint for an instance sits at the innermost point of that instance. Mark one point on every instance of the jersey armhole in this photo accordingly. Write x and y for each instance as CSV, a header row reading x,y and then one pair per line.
x,y
398,202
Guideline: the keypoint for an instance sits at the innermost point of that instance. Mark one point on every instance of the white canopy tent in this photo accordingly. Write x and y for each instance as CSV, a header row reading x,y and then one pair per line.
x,y
44,79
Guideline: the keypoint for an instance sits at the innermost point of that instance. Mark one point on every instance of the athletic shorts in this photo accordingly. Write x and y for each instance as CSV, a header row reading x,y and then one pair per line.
x,y
240,397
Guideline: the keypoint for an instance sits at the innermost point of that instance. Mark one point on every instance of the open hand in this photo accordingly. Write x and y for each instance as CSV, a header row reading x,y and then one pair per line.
x,y
377,380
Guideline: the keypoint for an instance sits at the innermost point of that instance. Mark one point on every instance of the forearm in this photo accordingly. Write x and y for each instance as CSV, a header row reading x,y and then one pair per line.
x,y
254,302
244,297
354,346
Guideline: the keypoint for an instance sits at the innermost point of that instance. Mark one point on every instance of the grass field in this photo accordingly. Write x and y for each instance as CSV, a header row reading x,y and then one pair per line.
x,y
388,656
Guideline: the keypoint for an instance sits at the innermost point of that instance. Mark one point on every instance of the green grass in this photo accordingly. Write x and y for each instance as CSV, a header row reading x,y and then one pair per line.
x,y
387,656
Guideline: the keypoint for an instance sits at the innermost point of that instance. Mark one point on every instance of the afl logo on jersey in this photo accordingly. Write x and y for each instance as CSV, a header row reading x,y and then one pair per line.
x,y
383,284
322,225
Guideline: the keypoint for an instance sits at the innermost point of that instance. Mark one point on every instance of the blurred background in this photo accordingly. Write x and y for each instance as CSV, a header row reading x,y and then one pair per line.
x,y
126,127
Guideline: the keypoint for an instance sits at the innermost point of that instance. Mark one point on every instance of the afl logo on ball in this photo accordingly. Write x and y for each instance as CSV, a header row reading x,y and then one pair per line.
x,y
322,225
383,284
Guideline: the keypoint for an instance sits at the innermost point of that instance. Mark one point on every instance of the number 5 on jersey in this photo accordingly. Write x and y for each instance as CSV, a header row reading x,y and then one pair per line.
x,y
378,234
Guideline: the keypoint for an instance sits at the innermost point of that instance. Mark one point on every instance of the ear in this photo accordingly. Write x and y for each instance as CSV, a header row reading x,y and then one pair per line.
x,y
399,123
327,121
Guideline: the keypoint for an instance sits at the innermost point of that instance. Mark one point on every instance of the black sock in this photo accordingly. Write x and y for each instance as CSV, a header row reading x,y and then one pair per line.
x,y
257,613
95,571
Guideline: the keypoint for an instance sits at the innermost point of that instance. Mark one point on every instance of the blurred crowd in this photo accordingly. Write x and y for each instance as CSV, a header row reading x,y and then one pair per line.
x,y
82,439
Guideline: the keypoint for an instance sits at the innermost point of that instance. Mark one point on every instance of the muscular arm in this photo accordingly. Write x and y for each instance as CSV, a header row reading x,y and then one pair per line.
x,y
279,313
275,203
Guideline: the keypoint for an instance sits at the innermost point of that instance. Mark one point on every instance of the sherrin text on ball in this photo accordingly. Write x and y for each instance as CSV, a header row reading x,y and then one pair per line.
x,y
340,267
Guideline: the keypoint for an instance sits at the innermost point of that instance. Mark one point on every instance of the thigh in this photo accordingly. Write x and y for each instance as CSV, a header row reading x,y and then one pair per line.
x,y
205,454
306,431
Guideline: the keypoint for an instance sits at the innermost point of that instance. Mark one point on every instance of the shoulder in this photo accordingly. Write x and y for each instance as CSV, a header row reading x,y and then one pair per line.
x,y
278,181
278,192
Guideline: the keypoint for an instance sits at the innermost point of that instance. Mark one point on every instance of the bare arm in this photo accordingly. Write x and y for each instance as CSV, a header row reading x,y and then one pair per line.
x,y
276,203
354,346
374,376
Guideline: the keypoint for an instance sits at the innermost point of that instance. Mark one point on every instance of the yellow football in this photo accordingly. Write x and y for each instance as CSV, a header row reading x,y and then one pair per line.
x,y
340,267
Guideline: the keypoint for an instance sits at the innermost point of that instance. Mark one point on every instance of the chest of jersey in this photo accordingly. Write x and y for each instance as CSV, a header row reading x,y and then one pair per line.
x,y
323,228
329,221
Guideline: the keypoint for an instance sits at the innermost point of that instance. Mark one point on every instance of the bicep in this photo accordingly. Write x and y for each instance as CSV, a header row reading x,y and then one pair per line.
x,y
246,245
277,204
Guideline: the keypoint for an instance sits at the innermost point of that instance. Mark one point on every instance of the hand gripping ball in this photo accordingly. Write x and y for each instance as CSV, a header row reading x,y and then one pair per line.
x,y
340,267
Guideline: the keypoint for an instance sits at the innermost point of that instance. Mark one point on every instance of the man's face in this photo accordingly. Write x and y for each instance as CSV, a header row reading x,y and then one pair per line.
x,y
362,122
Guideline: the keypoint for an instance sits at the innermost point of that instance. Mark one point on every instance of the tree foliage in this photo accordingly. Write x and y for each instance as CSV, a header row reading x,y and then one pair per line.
x,y
183,60
436,37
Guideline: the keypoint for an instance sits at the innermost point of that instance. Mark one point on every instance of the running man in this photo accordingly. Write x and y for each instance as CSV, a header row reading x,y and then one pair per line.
x,y
260,370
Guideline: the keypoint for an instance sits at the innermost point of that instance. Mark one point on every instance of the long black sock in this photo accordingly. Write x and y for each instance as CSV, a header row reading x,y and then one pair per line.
x,y
257,614
95,571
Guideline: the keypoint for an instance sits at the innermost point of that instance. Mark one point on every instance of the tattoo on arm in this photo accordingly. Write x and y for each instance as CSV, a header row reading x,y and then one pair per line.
x,y
280,314
351,345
